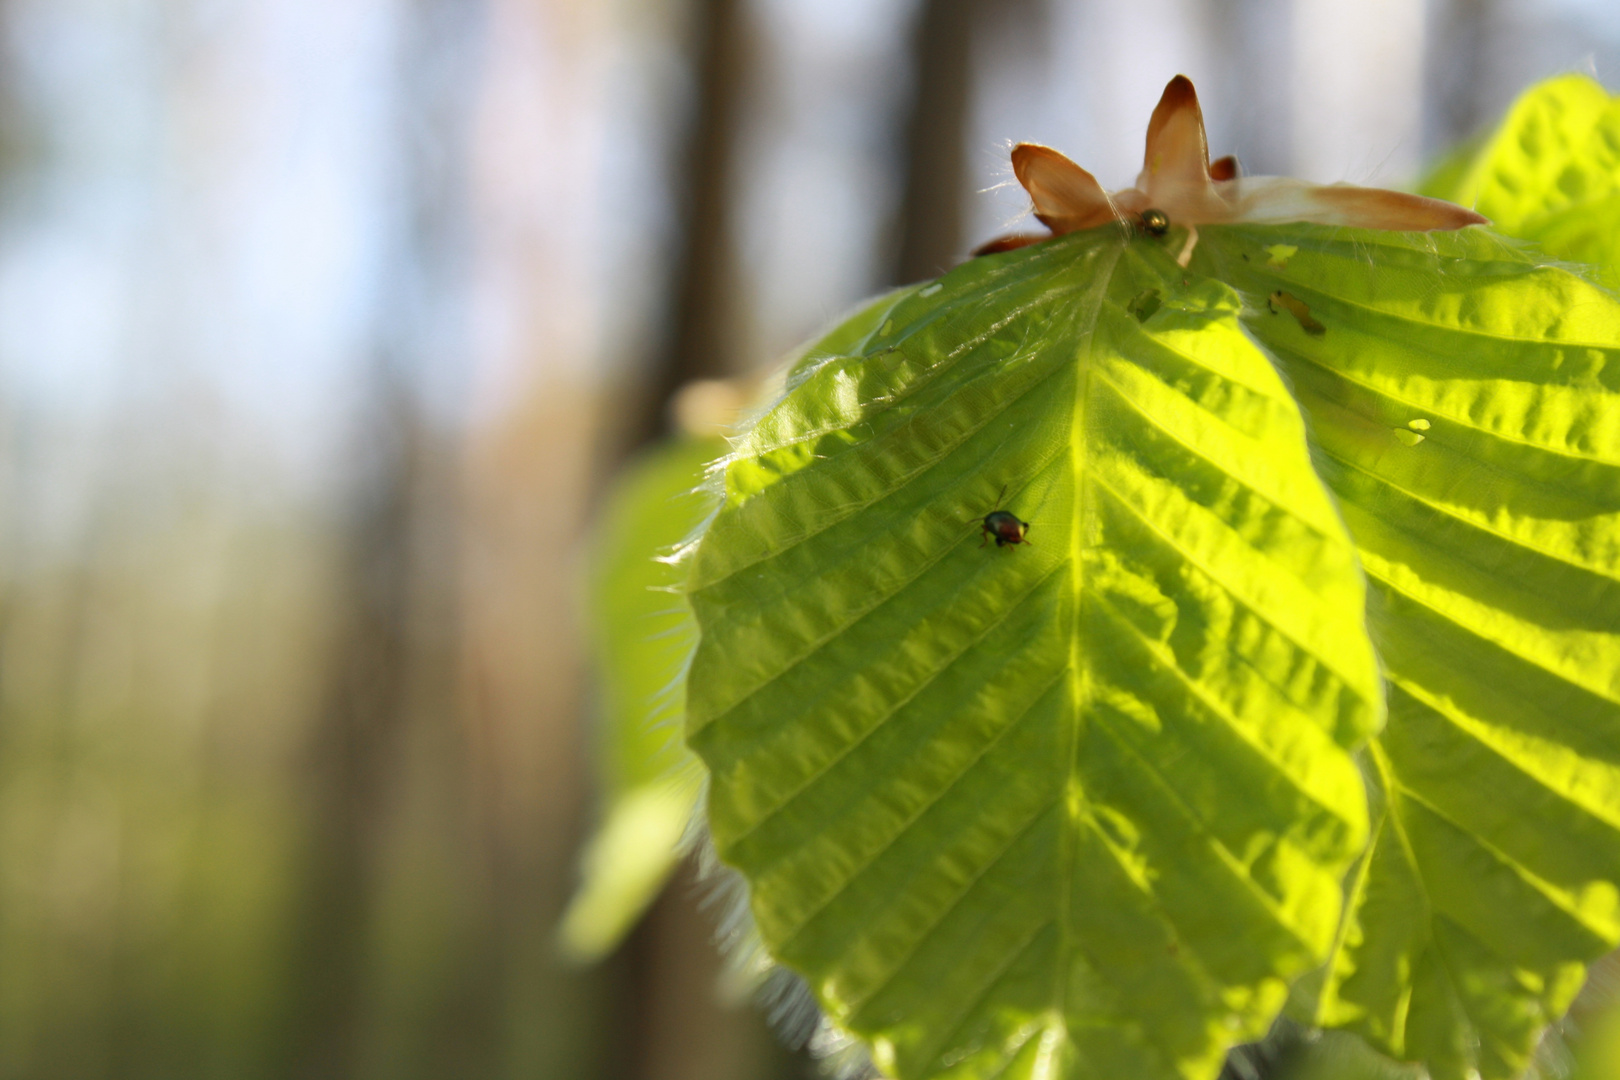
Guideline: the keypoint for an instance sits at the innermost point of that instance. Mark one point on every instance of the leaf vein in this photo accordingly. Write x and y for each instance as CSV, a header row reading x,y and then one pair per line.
x,y
1249,605
1219,709
1612,575
1012,608
934,922
856,508
1429,410
998,973
909,823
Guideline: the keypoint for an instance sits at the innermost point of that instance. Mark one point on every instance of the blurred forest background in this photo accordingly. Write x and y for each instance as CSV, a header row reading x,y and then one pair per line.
x,y
323,326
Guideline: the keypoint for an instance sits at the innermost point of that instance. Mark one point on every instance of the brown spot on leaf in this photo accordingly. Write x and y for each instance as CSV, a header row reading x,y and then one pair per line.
x,y
1299,309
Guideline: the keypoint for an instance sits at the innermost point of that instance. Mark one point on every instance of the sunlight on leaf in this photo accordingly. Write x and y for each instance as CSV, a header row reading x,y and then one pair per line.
x,y
1074,808
642,635
1550,173
1492,547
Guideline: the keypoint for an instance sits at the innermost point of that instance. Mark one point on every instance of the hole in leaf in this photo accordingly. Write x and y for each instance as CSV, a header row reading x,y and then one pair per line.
x,y
1280,254
1144,304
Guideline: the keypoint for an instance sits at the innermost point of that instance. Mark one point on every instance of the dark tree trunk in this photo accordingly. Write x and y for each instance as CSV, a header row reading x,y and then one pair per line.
x,y
702,311
934,168
390,669
1456,70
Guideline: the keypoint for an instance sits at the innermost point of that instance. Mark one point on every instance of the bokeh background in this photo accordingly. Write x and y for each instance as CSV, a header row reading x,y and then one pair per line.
x,y
324,325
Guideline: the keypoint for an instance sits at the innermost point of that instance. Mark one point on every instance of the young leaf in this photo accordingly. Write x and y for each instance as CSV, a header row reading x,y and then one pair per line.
x,y
1550,173
1073,808
1464,406
642,632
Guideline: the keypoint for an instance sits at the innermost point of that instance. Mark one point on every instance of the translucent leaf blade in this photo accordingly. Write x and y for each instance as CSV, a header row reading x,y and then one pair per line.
x,y
642,633
1073,808
642,636
1550,173
1465,409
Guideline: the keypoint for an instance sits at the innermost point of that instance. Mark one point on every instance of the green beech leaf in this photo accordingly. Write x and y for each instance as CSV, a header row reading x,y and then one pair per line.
x,y
1464,406
1074,808
642,634
1550,173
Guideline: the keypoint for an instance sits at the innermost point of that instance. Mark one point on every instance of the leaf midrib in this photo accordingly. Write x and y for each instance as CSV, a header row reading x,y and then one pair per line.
x,y
1072,796
1481,1033
1393,792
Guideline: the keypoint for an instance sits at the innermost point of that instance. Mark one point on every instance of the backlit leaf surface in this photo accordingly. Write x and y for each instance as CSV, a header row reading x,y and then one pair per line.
x,y
1550,173
1075,808
1464,407
641,635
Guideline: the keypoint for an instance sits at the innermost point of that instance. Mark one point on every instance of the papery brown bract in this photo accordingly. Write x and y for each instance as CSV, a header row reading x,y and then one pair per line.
x,y
1178,178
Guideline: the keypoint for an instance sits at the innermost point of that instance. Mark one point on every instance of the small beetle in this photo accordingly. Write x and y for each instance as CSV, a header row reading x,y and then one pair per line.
x,y
1003,526
1155,222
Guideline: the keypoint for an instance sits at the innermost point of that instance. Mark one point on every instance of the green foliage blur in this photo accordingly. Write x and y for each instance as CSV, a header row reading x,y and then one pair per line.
x,y
642,635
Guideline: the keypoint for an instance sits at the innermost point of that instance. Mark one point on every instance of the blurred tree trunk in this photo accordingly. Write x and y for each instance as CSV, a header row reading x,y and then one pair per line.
x,y
937,123
1257,90
1458,69
682,1030
354,742
385,774
699,341
671,1024
934,169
